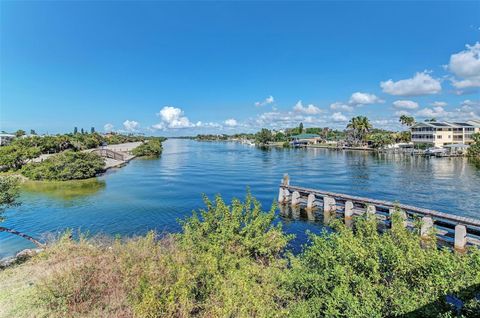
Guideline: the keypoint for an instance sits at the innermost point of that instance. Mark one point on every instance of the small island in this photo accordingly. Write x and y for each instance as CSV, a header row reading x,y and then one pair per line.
x,y
75,156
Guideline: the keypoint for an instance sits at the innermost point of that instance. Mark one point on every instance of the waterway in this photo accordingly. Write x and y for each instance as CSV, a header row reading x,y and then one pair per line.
x,y
153,194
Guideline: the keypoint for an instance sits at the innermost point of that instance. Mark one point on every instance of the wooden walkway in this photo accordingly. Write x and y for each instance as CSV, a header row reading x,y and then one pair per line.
x,y
450,229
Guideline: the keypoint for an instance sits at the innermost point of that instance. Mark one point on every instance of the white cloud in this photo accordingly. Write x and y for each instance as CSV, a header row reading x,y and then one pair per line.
x,y
439,104
108,127
267,101
421,84
310,109
436,112
338,117
172,118
466,66
341,106
468,109
130,125
359,98
230,122
405,104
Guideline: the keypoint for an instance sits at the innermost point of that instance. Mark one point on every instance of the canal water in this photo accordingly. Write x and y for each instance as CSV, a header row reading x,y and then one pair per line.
x,y
153,194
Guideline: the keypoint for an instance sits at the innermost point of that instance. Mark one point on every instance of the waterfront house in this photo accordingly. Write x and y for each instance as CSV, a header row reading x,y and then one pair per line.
x,y
439,134
5,139
306,139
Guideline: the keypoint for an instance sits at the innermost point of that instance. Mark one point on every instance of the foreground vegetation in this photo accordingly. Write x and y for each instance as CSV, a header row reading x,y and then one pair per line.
x,y
233,261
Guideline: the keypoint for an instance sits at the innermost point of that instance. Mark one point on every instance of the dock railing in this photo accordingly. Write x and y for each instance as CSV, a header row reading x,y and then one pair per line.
x,y
451,229
107,153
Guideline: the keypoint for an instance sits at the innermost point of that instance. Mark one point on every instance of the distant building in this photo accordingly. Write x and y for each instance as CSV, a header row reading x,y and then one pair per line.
x,y
5,139
306,139
439,134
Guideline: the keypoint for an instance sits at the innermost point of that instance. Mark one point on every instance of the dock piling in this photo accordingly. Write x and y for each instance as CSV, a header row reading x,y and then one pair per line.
x,y
427,226
310,201
348,210
460,237
329,205
295,198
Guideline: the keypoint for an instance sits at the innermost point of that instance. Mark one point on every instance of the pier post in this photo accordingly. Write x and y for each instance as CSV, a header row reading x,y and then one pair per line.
x,y
295,198
460,237
310,201
329,205
286,180
348,210
286,195
371,210
402,214
281,196
427,226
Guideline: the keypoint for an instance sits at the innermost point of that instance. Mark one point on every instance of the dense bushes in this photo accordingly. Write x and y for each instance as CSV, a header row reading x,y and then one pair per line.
x,y
14,156
152,147
474,149
68,165
233,261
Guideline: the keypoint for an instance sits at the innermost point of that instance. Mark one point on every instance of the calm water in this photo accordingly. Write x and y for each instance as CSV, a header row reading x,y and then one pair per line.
x,y
153,194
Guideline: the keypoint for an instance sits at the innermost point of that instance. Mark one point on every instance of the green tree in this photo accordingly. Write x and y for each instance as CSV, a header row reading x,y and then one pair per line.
x,y
407,120
33,132
474,149
359,126
20,133
381,140
263,137
92,130
75,130
431,120
82,131
14,156
300,128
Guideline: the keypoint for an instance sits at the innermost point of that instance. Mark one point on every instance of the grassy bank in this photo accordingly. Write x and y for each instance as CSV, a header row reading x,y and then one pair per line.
x,y
233,261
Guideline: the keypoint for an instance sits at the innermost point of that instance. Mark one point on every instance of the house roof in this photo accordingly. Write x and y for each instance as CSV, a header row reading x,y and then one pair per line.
x,y
7,135
305,136
443,124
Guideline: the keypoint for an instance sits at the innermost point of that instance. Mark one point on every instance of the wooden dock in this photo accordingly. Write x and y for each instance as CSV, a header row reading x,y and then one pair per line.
x,y
450,229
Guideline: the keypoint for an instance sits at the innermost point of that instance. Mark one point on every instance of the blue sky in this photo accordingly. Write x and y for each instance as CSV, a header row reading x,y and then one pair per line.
x,y
180,68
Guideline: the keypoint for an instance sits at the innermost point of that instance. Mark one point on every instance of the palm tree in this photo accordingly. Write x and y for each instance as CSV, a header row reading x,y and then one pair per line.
x,y
360,126
407,120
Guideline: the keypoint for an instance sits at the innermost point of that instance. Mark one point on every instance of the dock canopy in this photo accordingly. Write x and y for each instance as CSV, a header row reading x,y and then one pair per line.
x,y
461,146
305,136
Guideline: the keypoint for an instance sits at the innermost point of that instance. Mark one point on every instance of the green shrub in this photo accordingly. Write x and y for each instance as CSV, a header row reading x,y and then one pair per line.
x,y
362,273
152,147
68,165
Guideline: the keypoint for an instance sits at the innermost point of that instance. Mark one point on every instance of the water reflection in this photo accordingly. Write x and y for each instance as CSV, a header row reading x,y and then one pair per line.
x,y
64,190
